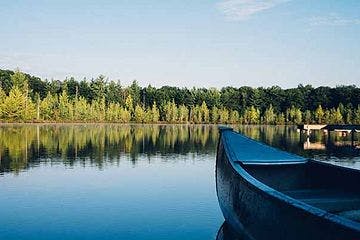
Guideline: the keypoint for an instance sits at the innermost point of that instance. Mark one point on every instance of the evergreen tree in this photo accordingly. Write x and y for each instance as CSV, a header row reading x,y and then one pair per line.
x,y
20,81
319,115
155,113
215,115
280,119
112,112
17,107
234,117
48,108
183,114
2,99
224,115
171,112
81,109
269,115
139,114
336,116
204,113
129,104
357,115
252,115
307,117
124,115
65,107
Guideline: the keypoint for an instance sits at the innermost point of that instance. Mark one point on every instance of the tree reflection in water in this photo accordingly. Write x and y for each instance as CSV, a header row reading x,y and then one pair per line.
x,y
24,146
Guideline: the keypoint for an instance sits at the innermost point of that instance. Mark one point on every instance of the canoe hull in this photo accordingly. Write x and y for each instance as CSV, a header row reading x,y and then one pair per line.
x,y
258,215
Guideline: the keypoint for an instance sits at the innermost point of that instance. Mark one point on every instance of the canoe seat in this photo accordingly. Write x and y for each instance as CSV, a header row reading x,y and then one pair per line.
x,y
331,200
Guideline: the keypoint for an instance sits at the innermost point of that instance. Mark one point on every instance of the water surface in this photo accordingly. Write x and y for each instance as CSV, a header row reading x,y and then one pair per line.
x,y
125,181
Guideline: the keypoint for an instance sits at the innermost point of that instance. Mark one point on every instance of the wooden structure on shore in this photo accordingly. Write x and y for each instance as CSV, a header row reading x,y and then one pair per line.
x,y
327,128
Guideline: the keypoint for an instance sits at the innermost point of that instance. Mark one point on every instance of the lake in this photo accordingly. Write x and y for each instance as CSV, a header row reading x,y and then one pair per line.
x,y
107,181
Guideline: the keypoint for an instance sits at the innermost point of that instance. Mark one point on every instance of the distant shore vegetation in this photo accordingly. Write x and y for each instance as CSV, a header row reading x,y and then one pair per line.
x,y
25,98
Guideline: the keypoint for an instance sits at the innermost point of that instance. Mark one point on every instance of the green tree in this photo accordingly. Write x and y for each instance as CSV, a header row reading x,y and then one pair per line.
x,y
65,107
183,113
356,119
215,115
81,109
98,110
307,117
139,114
319,115
124,115
224,115
336,116
48,107
20,81
269,115
2,99
17,106
155,113
252,115
280,119
327,116
204,113
171,112
234,117
129,104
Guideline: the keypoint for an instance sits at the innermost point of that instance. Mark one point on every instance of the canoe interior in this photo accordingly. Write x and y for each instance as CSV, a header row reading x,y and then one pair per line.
x,y
331,188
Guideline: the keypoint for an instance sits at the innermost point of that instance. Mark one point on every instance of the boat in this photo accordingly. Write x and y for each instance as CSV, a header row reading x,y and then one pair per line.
x,y
267,193
225,232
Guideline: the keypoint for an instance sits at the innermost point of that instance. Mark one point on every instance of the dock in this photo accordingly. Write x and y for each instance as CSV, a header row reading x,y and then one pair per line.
x,y
330,127
327,128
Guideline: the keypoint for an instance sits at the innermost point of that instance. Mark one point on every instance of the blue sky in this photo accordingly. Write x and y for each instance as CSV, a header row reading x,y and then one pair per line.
x,y
185,43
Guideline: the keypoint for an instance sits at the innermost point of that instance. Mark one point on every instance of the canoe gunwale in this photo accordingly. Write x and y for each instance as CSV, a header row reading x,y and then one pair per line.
x,y
276,195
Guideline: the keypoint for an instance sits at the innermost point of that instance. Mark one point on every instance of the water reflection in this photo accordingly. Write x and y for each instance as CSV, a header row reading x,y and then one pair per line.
x,y
24,146
336,147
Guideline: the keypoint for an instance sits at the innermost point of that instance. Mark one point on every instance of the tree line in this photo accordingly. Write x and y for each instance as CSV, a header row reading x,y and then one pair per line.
x,y
25,98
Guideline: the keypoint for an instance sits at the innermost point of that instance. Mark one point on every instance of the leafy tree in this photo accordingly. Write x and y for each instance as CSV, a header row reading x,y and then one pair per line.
x,y
280,119
129,103
336,116
81,109
307,117
124,115
252,115
17,106
269,115
224,115
204,113
215,115
183,114
357,115
234,117
20,81
48,108
319,115
155,113
65,107
171,112
2,99
139,114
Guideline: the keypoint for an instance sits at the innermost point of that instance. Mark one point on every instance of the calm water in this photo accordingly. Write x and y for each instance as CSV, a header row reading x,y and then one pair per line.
x,y
126,182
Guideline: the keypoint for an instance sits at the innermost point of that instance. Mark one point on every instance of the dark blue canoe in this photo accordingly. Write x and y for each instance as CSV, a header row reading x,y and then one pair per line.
x,y
265,193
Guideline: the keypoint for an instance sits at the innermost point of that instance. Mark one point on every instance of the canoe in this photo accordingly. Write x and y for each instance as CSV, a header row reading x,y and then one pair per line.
x,y
266,193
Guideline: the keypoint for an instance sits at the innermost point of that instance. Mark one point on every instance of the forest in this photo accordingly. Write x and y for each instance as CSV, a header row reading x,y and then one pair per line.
x,y
26,98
